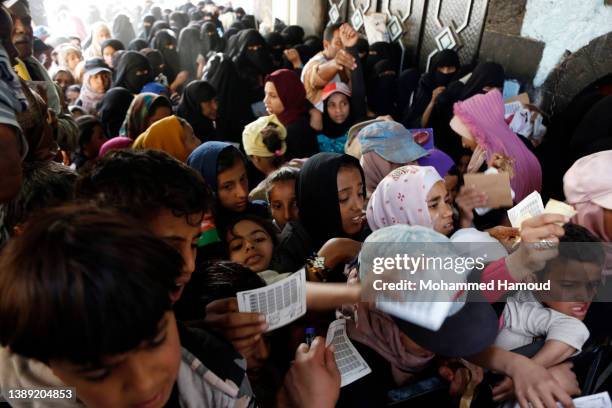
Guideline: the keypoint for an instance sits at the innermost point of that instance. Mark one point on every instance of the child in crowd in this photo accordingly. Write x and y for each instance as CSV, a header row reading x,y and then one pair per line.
x,y
280,195
173,135
91,138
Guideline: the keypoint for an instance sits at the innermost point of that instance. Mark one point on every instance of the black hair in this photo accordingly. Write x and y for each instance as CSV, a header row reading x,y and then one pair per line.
x,y
74,88
271,138
45,184
228,158
328,34
144,182
228,227
87,124
285,173
578,244
82,284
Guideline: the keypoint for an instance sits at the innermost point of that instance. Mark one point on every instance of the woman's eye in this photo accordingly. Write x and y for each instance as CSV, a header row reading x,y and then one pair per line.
x,y
98,375
433,205
260,239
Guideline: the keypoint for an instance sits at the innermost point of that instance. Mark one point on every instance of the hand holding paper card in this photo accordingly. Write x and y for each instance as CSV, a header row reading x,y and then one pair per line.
x,y
496,186
558,207
529,207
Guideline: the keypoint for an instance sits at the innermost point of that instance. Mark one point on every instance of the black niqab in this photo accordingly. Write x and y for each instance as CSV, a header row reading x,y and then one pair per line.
x,y
210,40
123,29
112,110
147,25
189,50
382,88
293,35
137,45
165,42
132,72
276,45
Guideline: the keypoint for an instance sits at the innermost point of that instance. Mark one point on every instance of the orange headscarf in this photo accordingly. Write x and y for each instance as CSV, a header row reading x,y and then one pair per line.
x,y
166,135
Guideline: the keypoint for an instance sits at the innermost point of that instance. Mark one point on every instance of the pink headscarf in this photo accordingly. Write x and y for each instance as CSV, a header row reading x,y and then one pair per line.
x,y
401,198
116,143
484,117
375,169
379,332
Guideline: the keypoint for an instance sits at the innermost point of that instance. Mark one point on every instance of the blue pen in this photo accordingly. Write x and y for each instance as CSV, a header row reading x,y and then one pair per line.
x,y
310,335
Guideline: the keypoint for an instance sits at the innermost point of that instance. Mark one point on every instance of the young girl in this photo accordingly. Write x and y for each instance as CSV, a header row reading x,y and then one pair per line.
x,y
91,138
286,98
280,194
264,143
110,47
96,81
145,109
223,167
330,195
417,195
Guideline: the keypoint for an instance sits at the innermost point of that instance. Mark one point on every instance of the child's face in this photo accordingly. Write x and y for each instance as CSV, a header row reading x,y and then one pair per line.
x,y
350,199
73,60
100,82
439,208
451,182
64,80
183,236
338,107
250,245
97,140
107,53
573,284
143,376
233,187
273,102
283,203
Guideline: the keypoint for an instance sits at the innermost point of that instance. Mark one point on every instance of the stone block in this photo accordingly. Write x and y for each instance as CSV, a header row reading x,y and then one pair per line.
x,y
505,16
519,56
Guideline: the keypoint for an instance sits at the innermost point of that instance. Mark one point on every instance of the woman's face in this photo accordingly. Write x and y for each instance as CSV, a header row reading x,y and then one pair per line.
x,y
273,102
350,199
107,53
103,35
447,70
440,210
189,138
233,187
209,109
100,82
73,60
158,114
250,245
283,203
338,107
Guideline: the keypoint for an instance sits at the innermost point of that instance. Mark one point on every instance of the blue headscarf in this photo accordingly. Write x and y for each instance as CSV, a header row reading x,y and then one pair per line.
x,y
204,159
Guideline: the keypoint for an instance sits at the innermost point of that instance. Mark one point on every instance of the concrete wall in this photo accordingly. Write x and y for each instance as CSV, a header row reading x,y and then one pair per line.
x,y
563,25
310,14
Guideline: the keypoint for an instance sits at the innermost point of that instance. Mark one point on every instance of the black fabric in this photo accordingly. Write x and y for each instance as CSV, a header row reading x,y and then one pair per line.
x,y
114,44
430,81
317,195
189,50
178,20
407,83
332,129
249,22
293,35
126,72
156,60
147,25
112,110
252,65
594,133
276,45
301,139
157,27
378,51
314,43
137,45
165,42
123,29
234,111
189,109
382,88
486,74
210,40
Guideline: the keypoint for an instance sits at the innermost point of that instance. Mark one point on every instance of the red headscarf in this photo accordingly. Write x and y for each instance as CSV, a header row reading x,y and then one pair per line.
x,y
291,92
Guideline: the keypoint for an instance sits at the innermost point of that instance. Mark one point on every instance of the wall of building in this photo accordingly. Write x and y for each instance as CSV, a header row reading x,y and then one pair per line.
x,y
563,25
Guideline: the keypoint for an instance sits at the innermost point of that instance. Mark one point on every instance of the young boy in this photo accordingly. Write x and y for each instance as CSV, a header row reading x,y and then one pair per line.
x,y
96,313
556,315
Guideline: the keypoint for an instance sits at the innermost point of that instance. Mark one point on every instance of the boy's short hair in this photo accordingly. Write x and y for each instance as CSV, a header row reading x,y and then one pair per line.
x,y
328,33
45,184
82,284
141,183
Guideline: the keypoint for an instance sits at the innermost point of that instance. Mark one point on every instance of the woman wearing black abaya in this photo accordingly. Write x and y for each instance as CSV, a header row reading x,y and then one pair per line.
x,y
133,72
178,21
378,51
137,45
164,41
112,110
157,27
199,107
486,76
189,51
249,22
276,45
147,25
382,89
123,29
157,13
156,60
253,63
443,69
293,35
234,111
210,40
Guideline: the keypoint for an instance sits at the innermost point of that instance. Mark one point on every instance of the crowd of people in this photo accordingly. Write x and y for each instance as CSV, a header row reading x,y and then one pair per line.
x,y
153,166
